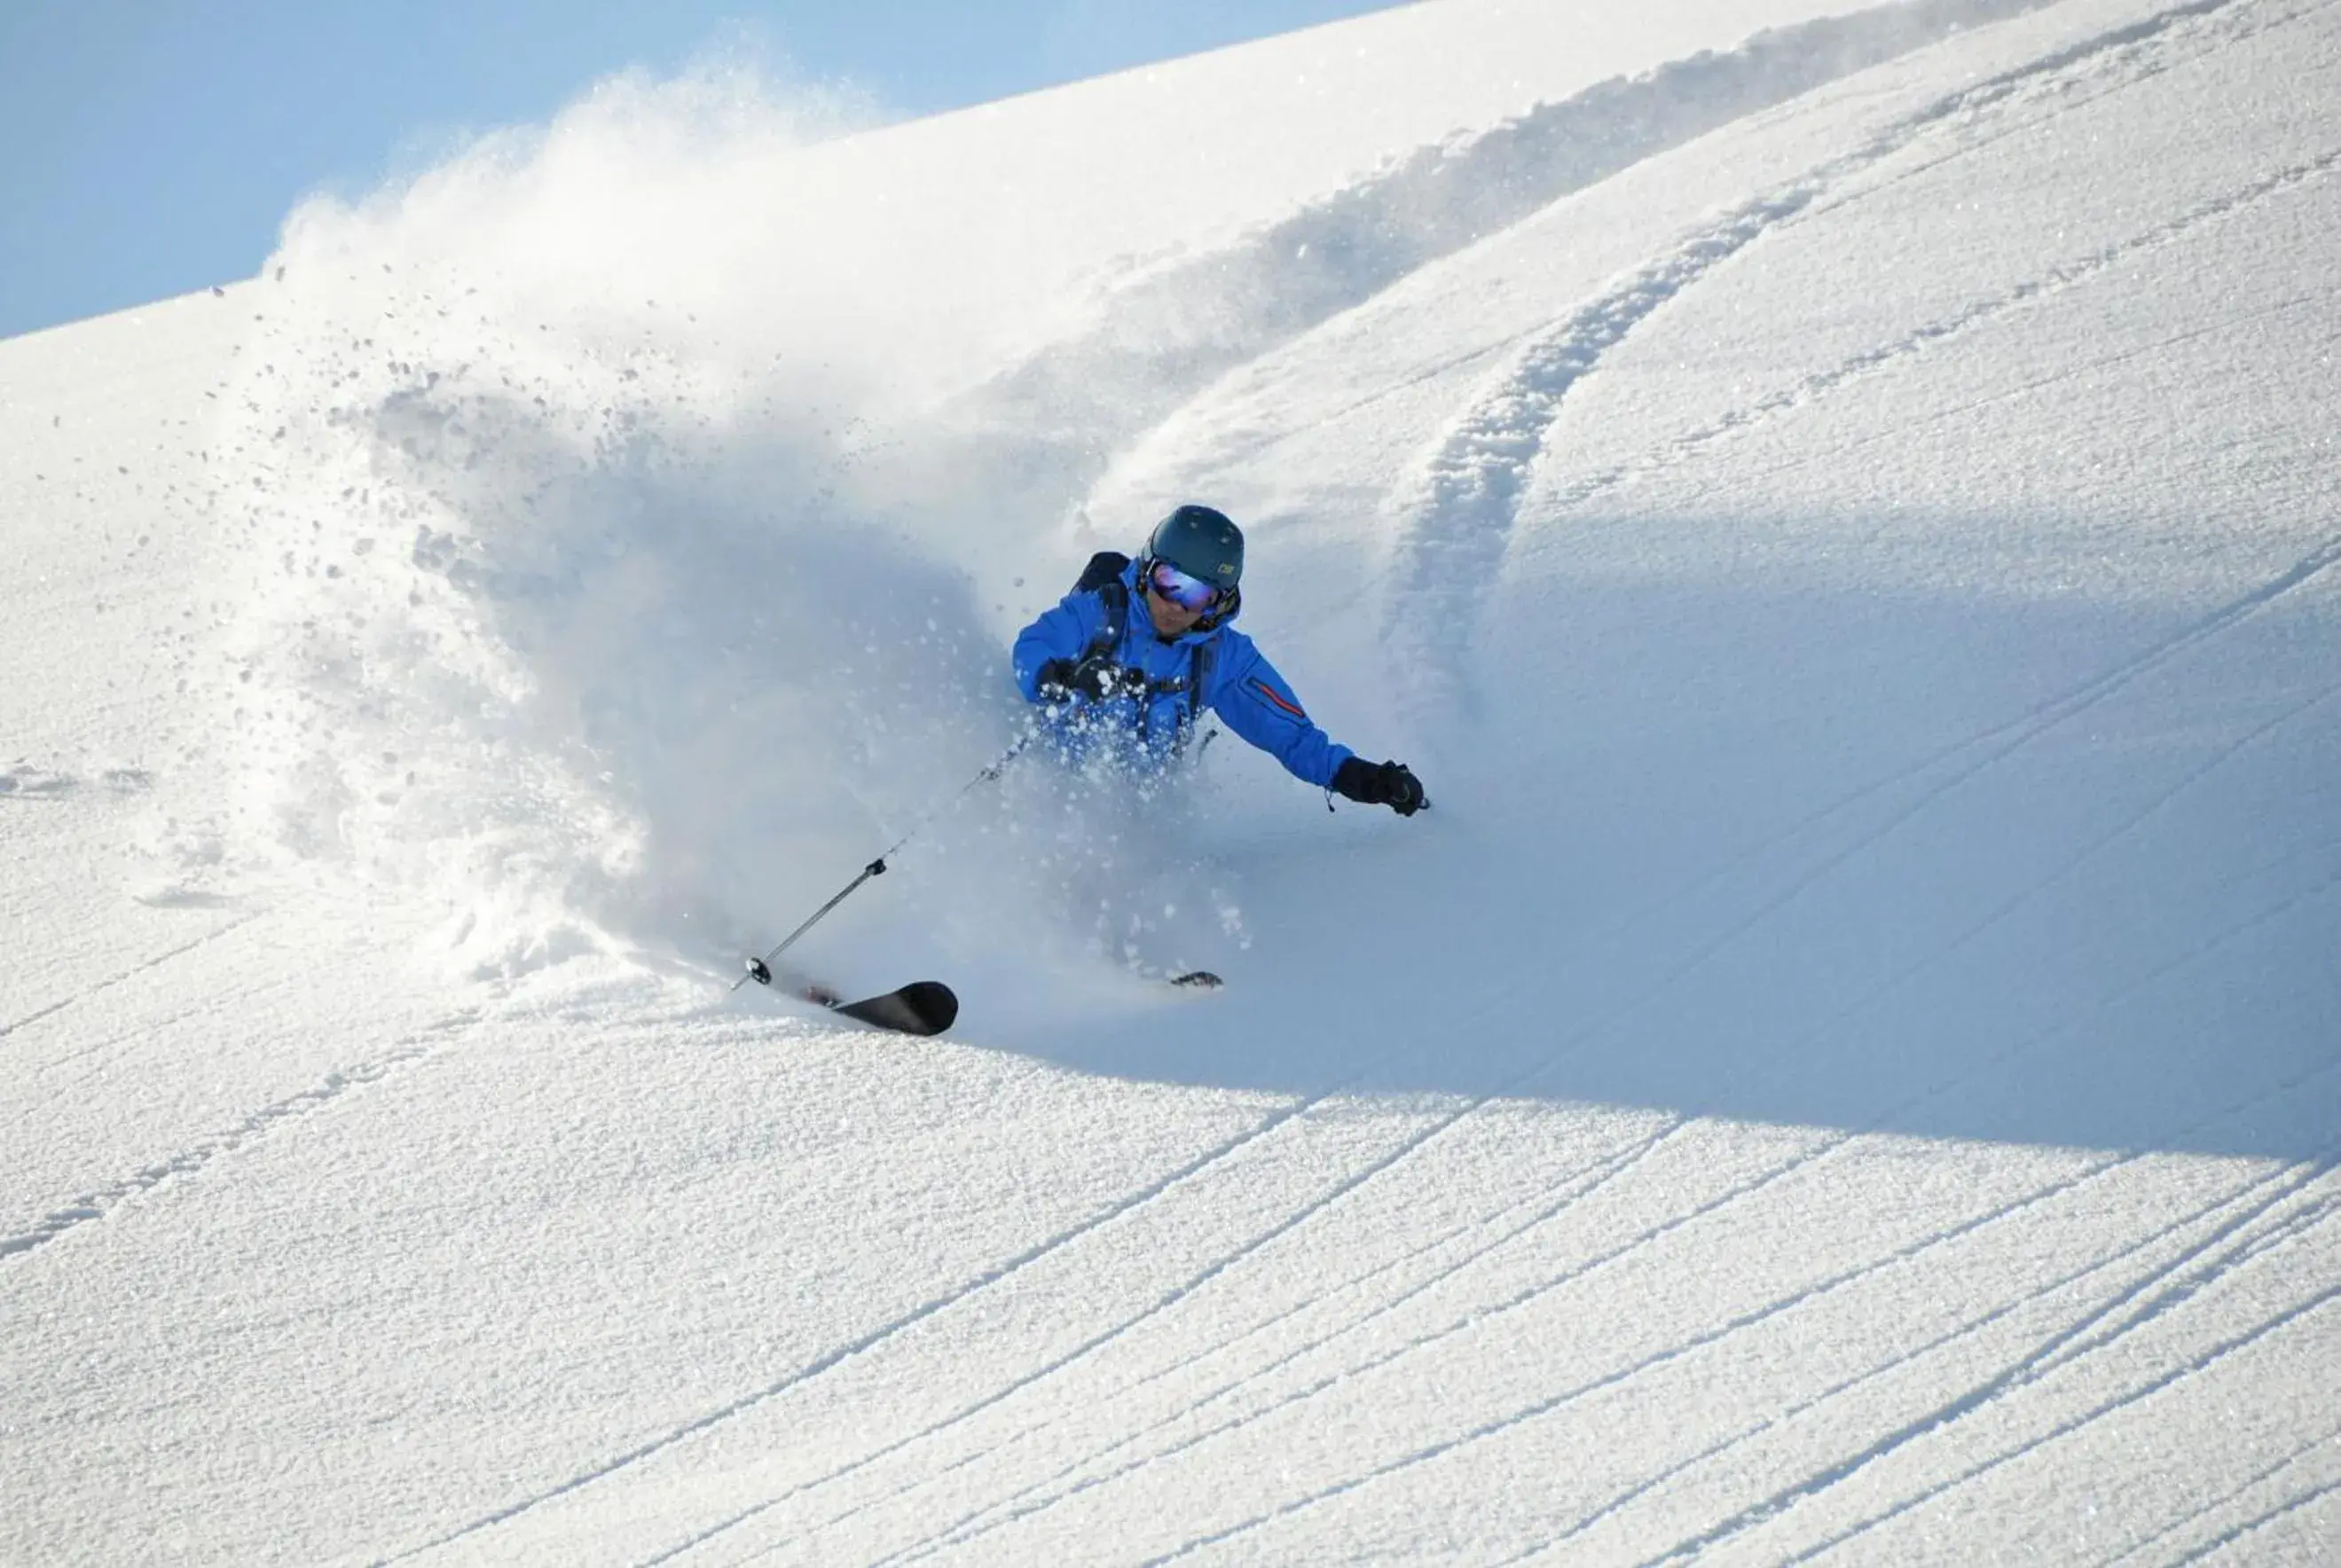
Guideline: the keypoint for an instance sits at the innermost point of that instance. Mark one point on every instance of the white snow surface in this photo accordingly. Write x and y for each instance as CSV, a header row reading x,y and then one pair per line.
x,y
1838,508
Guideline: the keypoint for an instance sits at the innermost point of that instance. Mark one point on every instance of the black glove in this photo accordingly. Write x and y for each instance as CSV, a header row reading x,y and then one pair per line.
x,y
1391,785
1096,678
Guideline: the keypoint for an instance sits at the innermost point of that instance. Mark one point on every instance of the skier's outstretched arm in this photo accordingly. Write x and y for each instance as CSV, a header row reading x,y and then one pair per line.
x,y
1255,702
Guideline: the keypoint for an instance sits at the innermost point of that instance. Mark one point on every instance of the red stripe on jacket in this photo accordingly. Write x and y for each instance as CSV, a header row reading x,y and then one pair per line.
x,y
1265,690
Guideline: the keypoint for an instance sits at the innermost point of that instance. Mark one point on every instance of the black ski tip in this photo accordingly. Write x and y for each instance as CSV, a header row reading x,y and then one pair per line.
x,y
1198,980
920,1008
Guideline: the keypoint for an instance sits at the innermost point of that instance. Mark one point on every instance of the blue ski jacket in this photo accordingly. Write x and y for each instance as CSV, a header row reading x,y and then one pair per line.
x,y
1241,686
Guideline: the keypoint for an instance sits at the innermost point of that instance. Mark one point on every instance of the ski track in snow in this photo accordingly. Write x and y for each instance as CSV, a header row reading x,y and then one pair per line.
x,y
1314,1208
145,967
2154,1385
1961,762
1931,1421
2035,1296
1578,1186
1831,1144
1771,1310
1572,1189
103,1045
1822,1147
955,1535
2222,1539
2046,1358
2073,369
2252,1526
2244,1529
1126,1205
2121,828
1163,1303
2158,1290
1459,510
2056,281
269,1118
1121,1207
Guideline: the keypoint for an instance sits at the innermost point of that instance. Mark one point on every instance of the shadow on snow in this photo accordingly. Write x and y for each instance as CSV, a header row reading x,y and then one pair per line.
x,y
2017,870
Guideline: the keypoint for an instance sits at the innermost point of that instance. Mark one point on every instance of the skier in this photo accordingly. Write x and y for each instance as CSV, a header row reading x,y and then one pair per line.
x,y
1139,649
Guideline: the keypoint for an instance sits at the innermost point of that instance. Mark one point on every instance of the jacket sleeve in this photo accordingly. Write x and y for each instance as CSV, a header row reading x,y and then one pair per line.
x,y
1062,632
1253,700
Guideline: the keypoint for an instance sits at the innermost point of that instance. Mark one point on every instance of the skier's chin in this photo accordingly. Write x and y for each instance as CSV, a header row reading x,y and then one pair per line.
x,y
1170,621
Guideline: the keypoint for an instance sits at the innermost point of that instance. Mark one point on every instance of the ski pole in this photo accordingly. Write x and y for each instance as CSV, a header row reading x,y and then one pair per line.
x,y
760,969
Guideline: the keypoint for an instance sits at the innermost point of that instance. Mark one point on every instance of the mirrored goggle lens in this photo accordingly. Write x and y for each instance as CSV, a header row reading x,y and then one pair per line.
x,y
1186,592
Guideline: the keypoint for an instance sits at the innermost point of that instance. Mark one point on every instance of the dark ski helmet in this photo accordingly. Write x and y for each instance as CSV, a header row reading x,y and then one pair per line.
x,y
1200,542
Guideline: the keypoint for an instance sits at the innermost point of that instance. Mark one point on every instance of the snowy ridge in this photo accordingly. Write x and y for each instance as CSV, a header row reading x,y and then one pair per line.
x,y
1169,327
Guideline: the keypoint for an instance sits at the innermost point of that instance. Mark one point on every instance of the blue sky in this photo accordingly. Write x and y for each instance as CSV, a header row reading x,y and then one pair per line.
x,y
153,146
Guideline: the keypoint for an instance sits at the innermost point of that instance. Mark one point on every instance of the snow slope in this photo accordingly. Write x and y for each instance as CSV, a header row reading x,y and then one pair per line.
x,y
1836,504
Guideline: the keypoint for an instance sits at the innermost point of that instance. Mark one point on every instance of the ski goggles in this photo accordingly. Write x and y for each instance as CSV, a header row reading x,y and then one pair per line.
x,y
1186,592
